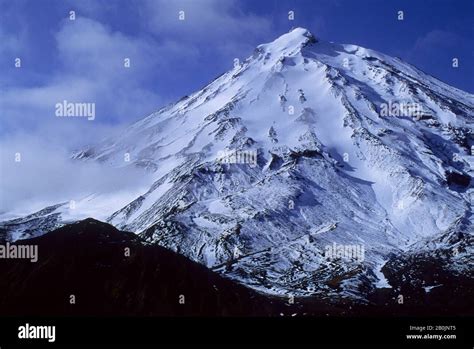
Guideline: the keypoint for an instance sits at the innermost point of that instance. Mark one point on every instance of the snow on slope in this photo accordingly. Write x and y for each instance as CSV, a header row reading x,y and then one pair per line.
x,y
331,168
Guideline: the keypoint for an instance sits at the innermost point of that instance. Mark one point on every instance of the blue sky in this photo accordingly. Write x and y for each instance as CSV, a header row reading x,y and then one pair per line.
x,y
82,60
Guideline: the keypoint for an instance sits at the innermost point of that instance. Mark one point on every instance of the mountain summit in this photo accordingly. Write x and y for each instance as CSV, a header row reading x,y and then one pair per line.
x,y
294,40
302,170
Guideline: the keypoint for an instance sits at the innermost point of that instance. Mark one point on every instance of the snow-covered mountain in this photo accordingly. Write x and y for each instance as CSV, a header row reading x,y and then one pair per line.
x,y
305,150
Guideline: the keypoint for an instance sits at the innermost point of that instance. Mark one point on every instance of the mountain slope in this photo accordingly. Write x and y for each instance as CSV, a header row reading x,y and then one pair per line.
x,y
293,151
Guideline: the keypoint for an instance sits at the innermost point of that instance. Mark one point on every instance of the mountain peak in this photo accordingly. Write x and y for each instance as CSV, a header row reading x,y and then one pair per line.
x,y
295,39
300,32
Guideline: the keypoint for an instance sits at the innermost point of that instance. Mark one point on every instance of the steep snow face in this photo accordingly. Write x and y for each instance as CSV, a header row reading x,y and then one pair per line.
x,y
305,148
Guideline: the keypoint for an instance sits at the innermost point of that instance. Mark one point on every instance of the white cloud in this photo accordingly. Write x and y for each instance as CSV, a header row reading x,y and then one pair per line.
x,y
221,22
46,175
91,70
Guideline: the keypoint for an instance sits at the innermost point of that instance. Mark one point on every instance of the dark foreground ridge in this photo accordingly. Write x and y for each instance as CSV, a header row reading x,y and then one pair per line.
x,y
88,259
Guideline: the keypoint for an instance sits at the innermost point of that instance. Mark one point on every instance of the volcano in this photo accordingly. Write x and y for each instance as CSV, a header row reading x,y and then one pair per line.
x,y
304,145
